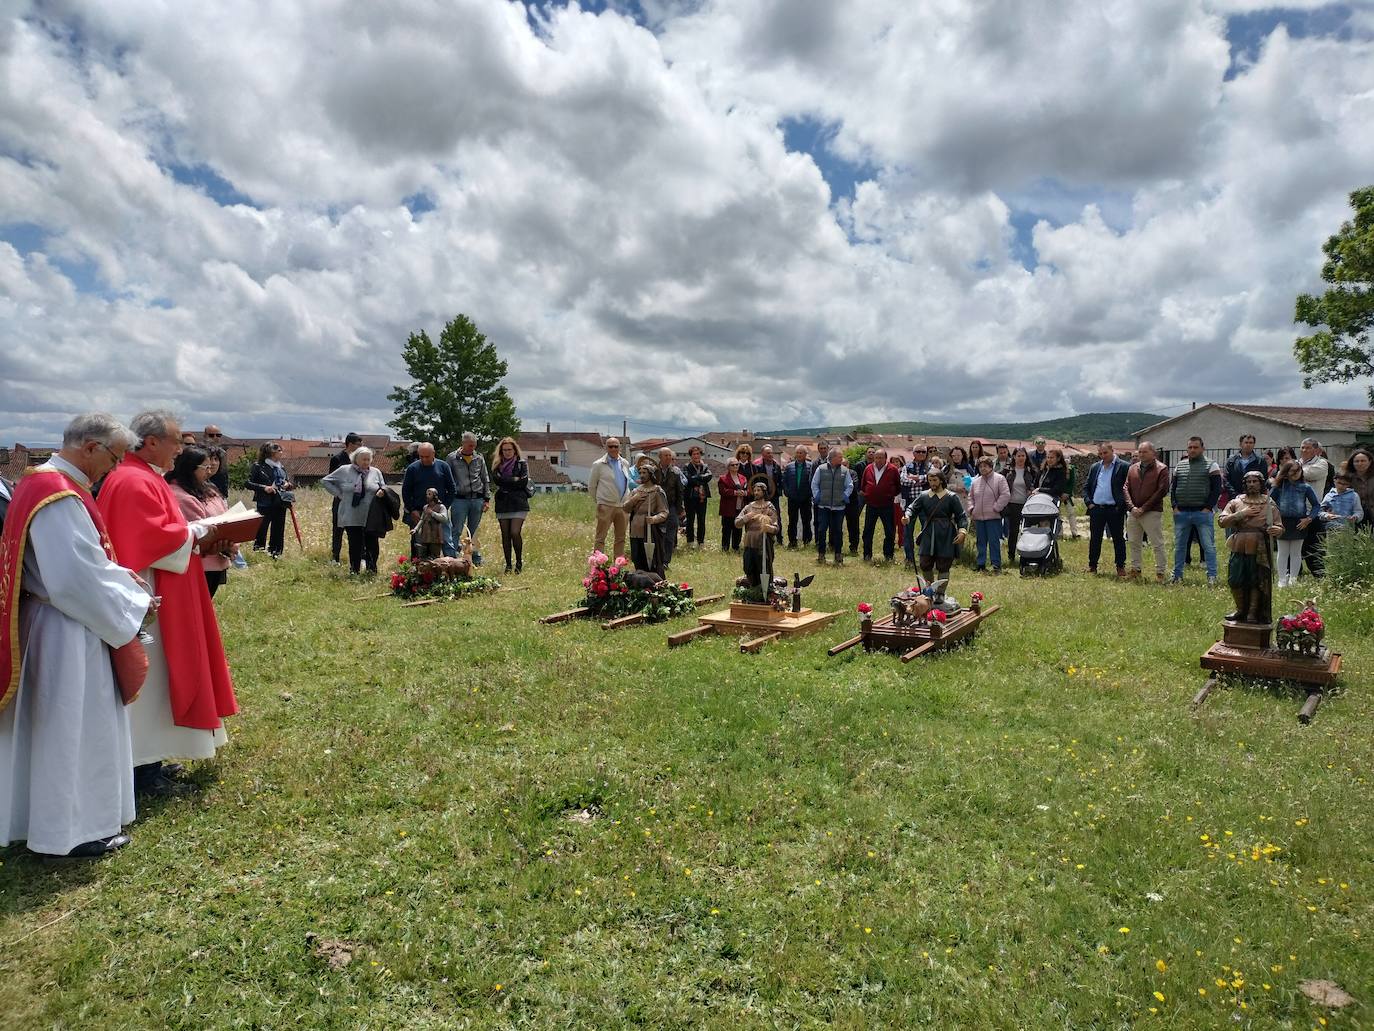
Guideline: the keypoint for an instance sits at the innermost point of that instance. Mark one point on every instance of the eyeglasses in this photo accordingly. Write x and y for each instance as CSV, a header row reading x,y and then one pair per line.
x,y
117,458
213,436
612,447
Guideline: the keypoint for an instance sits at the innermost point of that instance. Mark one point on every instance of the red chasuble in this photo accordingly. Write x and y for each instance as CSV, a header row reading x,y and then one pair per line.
x,y
146,524
34,491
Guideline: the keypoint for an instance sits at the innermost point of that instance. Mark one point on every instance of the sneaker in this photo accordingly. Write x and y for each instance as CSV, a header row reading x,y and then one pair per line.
x,y
839,560
1121,572
476,558
820,560
1211,581
1092,570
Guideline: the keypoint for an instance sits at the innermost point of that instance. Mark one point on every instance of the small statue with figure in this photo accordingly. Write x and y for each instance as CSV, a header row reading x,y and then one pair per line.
x,y
1254,522
759,521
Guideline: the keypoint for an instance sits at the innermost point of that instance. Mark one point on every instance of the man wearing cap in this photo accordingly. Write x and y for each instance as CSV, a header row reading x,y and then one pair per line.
x,y
1038,456
343,457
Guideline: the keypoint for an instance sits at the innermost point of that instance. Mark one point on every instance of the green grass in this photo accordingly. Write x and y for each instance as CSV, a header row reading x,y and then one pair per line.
x,y
780,840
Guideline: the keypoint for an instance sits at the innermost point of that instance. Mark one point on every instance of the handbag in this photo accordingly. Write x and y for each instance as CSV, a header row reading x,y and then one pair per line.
x,y
130,663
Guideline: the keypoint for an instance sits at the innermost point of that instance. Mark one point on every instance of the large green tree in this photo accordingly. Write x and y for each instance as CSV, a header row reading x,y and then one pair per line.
x,y
455,387
1341,350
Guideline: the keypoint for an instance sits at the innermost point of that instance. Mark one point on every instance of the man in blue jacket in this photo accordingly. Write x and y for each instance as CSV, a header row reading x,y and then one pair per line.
x,y
1105,494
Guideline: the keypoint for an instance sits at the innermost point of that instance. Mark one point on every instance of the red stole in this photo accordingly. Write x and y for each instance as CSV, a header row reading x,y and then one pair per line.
x,y
145,525
34,491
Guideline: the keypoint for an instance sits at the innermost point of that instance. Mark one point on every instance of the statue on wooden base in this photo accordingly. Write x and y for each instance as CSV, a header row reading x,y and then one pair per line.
x,y
758,519
1254,522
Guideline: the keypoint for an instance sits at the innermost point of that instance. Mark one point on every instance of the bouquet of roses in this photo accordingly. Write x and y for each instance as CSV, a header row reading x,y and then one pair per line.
x,y
666,601
1302,632
608,594
410,581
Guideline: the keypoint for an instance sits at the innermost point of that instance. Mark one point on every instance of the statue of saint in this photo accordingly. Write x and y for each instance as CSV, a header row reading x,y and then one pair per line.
x,y
759,521
1254,521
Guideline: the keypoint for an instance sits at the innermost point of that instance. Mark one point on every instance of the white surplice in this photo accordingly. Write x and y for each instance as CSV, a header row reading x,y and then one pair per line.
x,y
66,765
155,736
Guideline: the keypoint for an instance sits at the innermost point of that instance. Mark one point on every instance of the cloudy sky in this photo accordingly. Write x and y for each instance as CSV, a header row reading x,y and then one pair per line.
x,y
694,213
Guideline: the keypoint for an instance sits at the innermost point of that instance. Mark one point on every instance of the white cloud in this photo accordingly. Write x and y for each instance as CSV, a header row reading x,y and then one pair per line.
x,y
617,209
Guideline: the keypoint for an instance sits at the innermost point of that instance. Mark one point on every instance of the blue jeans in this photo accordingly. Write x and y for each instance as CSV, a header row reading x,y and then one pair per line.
x,y
466,514
989,534
1207,534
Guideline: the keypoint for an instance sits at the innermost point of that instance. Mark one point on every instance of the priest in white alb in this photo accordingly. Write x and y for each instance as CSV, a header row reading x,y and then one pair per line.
x,y
66,762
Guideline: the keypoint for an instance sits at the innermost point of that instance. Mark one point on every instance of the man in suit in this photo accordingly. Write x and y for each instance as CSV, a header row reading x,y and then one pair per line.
x,y
344,457
1105,494
796,486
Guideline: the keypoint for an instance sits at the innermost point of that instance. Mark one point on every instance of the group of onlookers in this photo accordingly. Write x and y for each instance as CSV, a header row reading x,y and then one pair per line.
x,y
1126,502
832,498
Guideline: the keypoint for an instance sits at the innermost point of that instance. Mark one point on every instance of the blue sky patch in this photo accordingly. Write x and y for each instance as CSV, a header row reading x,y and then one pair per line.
x,y
209,182
24,237
419,204
1247,32
809,135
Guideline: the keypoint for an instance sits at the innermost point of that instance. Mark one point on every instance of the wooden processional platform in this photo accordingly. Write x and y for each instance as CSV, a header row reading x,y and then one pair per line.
x,y
1245,650
763,621
919,638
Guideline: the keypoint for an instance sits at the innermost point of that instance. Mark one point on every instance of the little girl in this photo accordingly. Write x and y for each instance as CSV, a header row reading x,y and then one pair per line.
x,y
429,531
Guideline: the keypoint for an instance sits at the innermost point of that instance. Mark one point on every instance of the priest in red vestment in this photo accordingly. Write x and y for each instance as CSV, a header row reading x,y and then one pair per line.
x,y
179,713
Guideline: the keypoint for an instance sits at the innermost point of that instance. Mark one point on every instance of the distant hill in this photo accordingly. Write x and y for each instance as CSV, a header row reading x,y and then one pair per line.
x,y
1074,428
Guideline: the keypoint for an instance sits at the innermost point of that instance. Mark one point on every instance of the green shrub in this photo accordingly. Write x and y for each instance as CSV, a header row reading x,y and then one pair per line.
x,y
1350,557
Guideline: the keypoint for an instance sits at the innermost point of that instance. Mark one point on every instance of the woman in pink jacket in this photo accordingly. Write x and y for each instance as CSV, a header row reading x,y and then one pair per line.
x,y
196,495
988,495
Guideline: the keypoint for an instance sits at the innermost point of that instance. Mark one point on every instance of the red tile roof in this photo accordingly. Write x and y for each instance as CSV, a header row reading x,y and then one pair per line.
x,y
1356,420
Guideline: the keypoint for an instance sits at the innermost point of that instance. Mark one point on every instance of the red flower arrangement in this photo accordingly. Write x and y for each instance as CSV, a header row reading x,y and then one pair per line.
x,y
865,608
1302,632
937,614
977,596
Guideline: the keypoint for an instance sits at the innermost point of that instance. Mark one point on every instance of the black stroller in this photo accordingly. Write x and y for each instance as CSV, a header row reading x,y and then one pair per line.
x,y
1037,543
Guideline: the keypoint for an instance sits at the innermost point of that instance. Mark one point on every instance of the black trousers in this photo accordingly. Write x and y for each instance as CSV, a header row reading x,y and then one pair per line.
x,y
872,517
1011,527
798,510
337,534
1314,548
271,531
362,548
829,530
730,534
215,579
777,519
696,520
851,522
1111,519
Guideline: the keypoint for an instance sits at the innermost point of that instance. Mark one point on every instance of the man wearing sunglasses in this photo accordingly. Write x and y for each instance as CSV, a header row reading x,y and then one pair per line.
x,y
609,485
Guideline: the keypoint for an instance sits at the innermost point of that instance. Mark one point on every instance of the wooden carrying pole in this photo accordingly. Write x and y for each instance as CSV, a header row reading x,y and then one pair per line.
x,y
563,617
845,646
756,645
1309,708
692,633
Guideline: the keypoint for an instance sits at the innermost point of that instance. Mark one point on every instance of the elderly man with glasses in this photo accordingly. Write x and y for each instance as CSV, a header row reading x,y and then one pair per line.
x,y
609,486
65,743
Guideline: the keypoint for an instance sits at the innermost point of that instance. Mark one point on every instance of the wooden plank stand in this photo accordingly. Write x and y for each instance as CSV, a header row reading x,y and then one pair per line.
x,y
911,642
1244,651
762,623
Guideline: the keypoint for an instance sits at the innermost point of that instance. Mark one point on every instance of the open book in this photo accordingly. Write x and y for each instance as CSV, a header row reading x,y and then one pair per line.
x,y
239,525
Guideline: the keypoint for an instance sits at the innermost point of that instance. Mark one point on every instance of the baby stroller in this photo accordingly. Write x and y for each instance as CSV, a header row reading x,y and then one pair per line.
x,y
1037,542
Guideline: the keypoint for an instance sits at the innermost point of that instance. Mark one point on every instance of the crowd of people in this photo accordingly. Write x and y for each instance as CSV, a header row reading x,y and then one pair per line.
x,y
833,498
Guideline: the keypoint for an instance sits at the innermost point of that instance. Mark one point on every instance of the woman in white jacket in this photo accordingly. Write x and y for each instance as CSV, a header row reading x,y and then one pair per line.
x,y
357,485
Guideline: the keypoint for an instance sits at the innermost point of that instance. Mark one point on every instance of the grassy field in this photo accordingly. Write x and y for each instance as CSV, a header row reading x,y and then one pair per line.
x,y
512,825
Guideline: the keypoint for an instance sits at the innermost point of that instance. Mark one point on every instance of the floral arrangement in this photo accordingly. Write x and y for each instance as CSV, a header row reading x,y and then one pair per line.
x,y
936,616
410,581
778,595
1303,632
976,597
667,601
610,596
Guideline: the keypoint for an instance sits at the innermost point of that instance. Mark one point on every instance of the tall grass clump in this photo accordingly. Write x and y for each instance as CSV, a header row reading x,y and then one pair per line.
x,y
1350,557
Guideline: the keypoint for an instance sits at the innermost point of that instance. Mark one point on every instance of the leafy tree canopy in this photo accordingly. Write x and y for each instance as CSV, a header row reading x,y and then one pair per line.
x,y
455,387
1341,349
